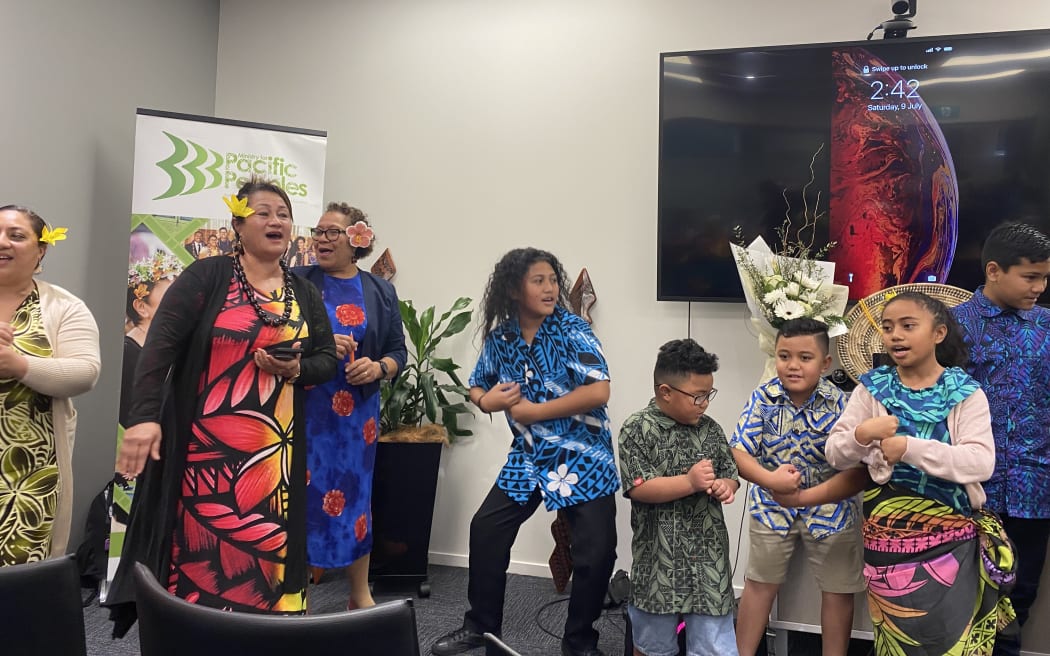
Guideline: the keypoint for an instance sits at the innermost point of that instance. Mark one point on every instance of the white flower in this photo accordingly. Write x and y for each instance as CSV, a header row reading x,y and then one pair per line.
x,y
793,290
812,297
562,481
785,310
807,282
774,297
775,280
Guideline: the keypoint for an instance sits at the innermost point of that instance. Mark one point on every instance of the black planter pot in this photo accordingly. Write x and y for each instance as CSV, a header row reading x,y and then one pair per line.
x,y
403,491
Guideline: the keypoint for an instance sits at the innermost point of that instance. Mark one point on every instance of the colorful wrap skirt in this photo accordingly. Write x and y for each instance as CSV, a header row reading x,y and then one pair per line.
x,y
937,579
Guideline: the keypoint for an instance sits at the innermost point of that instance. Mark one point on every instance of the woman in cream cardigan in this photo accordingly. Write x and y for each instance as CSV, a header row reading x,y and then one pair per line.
x,y
48,354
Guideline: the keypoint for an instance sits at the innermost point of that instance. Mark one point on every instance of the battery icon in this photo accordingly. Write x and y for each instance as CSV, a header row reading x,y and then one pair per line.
x,y
948,48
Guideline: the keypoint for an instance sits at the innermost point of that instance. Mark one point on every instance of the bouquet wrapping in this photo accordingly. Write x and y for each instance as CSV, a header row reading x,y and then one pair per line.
x,y
778,288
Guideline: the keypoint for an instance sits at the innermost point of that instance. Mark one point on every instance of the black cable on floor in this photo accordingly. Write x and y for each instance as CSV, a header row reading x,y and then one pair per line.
x,y
544,607
608,617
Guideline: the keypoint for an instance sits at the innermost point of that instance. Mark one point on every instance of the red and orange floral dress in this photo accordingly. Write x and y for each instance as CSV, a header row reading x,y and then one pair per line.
x,y
230,542
341,446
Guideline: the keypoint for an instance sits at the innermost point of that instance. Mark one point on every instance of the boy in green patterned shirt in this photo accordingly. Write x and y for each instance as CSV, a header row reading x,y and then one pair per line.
x,y
677,471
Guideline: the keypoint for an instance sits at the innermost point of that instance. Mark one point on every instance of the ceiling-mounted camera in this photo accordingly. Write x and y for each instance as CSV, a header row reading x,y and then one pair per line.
x,y
898,26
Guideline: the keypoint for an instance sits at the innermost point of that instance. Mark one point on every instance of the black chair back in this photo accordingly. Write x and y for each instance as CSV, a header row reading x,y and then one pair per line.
x,y
40,606
169,626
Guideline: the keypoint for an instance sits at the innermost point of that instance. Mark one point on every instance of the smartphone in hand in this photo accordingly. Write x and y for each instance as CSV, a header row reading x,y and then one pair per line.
x,y
284,352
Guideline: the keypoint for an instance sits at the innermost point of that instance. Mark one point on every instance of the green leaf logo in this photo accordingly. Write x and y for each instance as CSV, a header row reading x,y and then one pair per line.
x,y
191,168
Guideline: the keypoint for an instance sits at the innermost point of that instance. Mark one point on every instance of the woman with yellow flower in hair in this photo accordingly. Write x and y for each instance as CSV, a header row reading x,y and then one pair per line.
x,y
48,354
215,425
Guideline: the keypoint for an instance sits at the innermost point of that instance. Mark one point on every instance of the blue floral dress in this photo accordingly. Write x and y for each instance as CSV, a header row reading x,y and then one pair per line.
x,y
341,432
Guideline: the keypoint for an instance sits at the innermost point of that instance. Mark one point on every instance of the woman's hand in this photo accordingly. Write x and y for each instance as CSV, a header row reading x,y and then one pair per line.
x,y
362,371
271,365
140,441
7,334
344,345
12,363
875,428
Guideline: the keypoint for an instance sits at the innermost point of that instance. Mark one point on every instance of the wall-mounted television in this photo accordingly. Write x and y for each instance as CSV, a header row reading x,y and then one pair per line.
x,y
911,151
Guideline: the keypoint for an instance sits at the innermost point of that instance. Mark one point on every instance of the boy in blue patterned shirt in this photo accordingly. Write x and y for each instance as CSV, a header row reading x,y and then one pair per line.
x,y
543,367
1009,340
779,446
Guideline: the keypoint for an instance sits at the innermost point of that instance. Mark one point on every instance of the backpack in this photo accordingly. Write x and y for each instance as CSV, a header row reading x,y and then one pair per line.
x,y
93,553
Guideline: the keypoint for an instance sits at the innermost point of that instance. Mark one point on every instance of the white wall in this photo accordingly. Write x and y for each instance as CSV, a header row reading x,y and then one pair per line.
x,y
72,75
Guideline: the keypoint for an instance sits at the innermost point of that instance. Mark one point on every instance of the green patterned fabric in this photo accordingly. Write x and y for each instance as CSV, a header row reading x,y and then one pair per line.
x,y
680,548
28,462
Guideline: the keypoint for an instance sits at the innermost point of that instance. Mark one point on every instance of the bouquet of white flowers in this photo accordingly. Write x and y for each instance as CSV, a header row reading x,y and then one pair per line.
x,y
778,288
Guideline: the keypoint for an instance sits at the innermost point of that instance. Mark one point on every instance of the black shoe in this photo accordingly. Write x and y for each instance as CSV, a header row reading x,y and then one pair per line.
x,y
566,650
457,642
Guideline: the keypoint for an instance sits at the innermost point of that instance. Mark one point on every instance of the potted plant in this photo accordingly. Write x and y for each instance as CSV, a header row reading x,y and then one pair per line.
x,y
409,450
417,393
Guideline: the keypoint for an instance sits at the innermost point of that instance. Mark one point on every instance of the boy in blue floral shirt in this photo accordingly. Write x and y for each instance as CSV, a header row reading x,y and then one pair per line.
x,y
1009,340
779,446
543,367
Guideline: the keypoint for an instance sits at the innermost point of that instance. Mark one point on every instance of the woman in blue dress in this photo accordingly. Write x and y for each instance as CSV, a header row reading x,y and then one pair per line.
x,y
343,414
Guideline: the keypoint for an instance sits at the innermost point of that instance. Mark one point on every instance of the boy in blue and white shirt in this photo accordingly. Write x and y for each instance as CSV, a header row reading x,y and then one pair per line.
x,y
778,445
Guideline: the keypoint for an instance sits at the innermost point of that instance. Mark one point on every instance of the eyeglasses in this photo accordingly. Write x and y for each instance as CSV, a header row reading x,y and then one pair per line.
x,y
698,399
331,234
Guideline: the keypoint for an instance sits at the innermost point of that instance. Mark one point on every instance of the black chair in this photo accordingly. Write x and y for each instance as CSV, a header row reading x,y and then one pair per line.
x,y
169,626
40,608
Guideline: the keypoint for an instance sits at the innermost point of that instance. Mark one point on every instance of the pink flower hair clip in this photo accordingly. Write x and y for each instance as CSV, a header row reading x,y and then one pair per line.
x,y
361,236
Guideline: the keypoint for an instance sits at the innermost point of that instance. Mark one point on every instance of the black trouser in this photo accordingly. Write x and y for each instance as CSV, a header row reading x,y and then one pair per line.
x,y
592,527
1030,537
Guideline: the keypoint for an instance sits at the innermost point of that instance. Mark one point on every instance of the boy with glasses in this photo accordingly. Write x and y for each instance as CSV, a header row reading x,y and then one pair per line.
x,y
779,446
677,470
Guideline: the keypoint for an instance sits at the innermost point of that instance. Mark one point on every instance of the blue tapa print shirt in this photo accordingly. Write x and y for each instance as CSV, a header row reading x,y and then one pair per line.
x,y
777,433
1010,358
570,459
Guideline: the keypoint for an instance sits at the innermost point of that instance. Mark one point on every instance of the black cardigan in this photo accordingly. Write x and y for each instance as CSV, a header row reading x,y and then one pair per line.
x,y
166,382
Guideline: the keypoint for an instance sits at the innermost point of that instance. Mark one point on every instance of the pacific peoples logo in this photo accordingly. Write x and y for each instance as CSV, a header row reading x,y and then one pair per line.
x,y
193,168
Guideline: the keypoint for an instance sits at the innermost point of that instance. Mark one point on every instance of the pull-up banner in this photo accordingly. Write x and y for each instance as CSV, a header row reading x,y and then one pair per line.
x,y
184,165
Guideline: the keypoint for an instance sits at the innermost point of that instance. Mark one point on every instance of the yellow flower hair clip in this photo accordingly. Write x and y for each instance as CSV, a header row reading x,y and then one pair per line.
x,y
238,206
51,237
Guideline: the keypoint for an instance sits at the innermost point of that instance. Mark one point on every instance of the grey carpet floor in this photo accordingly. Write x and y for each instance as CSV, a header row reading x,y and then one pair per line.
x,y
527,617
